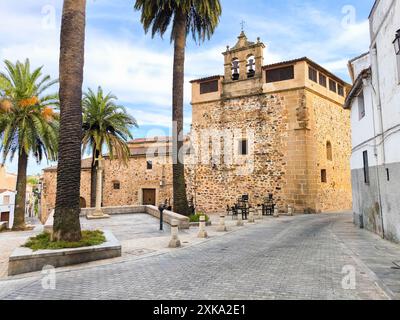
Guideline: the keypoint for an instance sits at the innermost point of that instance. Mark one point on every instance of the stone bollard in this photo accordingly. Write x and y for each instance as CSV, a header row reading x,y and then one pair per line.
x,y
239,222
290,210
175,242
251,216
202,225
276,213
222,226
259,215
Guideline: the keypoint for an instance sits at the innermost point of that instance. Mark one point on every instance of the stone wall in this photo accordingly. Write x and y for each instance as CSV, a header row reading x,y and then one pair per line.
x,y
331,123
48,198
132,178
287,133
291,129
135,177
300,189
260,173
287,125
7,180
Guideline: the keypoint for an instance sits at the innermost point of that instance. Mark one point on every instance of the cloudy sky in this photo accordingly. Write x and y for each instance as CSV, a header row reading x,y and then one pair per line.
x,y
138,69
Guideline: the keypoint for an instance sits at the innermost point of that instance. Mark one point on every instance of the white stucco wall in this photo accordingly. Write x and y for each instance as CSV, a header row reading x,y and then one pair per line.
x,y
8,207
385,21
382,90
377,202
363,131
361,64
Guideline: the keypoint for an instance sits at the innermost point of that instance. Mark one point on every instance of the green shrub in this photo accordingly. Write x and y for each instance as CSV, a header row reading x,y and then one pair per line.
x,y
196,217
43,241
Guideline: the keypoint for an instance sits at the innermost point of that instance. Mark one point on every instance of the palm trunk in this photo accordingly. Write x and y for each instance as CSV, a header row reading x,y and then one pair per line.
x,y
179,186
66,218
20,201
93,177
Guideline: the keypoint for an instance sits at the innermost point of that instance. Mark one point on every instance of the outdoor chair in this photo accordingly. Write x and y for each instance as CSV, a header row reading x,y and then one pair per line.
x,y
234,212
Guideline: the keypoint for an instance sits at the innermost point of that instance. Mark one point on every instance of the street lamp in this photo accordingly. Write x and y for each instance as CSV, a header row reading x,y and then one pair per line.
x,y
396,42
161,208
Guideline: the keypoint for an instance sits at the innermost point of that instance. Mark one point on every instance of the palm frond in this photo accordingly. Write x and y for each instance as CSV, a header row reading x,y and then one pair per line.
x,y
106,125
202,16
25,126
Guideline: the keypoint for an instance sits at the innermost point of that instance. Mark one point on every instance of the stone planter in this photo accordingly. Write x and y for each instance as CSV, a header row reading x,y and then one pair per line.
x,y
24,260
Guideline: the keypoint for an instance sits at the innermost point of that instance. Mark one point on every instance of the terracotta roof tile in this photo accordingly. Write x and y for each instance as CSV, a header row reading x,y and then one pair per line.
x,y
207,79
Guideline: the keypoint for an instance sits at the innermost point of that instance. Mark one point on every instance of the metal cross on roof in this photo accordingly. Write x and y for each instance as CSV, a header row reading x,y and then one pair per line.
x,y
243,23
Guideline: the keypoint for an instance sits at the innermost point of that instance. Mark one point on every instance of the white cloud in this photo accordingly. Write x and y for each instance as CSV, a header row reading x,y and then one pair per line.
x,y
122,60
155,118
306,30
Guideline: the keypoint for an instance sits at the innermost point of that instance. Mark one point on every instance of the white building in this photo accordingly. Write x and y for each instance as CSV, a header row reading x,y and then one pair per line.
x,y
375,117
7,206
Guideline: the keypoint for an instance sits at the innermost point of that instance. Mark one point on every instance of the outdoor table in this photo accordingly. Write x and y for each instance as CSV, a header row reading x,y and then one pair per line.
x,y
268,206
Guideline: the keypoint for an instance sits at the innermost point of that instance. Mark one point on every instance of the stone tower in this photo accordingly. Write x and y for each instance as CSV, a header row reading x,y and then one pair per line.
x,y
243,67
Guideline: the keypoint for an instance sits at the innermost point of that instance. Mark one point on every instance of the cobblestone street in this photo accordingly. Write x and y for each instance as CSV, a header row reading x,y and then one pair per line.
x,y
287,258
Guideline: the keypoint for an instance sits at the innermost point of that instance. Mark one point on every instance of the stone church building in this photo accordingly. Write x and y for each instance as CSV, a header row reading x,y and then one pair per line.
x,y
258,129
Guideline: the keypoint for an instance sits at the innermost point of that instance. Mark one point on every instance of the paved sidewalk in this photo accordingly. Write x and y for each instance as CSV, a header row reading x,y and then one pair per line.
x,y
11,240
139,235
377,254
287,258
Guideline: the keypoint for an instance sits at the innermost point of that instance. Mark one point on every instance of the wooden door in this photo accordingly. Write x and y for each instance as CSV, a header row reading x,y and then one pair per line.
x,y
149,197
5,217
82,203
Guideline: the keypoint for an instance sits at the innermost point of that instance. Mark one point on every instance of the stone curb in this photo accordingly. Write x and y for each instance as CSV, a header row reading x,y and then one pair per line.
x,y
25,260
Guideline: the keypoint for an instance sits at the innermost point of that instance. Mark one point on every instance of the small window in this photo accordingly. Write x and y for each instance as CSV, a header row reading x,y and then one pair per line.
x,y
117,185
329,154
366,167
324,177
280,74
6,200
398,68
361,105
332,85
322,80
243,147
208,87
313,74
340,90
149,165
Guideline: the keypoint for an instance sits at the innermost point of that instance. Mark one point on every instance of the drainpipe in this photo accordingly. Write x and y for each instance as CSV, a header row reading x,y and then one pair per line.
x,y
378,102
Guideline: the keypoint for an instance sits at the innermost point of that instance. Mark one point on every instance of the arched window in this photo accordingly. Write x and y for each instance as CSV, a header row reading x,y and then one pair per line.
x,y
329,155
251,66
235,69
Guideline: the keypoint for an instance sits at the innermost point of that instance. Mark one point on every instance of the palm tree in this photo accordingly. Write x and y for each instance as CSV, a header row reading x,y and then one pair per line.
x,y
200,18
28,123
105,124
72,50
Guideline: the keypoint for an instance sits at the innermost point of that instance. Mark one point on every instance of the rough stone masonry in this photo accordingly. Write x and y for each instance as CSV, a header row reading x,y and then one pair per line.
x,y
259,129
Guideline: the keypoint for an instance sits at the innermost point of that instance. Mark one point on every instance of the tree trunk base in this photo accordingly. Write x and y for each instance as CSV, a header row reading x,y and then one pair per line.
x,y
20,228
67,225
